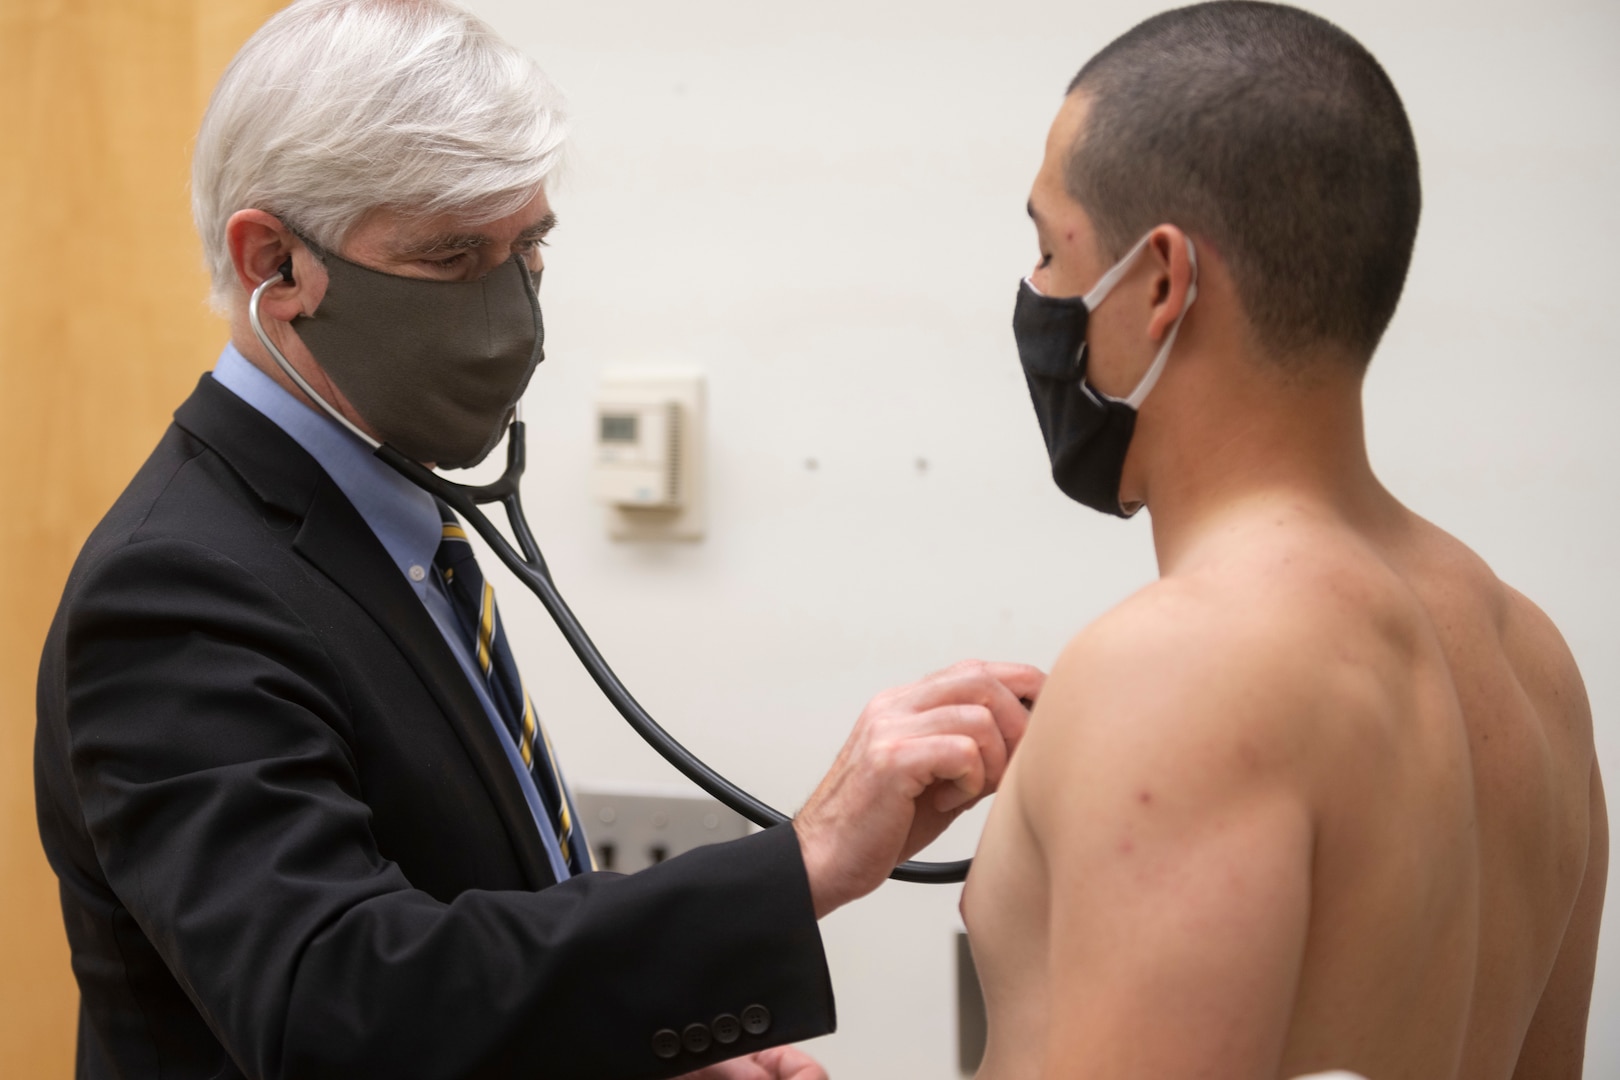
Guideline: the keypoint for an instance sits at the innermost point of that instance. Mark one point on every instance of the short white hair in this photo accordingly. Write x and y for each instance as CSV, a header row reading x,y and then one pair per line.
x,y
336,108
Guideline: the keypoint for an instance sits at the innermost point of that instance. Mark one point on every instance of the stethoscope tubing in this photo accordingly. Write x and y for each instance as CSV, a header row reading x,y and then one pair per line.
x,y
528,565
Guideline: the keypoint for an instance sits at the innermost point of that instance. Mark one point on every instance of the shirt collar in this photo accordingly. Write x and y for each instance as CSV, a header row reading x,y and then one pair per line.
x,y
403,516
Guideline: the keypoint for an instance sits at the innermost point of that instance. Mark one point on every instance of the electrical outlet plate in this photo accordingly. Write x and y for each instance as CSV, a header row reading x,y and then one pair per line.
x,y
631,829
685,388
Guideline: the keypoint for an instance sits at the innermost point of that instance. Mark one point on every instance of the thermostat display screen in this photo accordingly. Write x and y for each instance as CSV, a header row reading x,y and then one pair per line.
x,y
620,429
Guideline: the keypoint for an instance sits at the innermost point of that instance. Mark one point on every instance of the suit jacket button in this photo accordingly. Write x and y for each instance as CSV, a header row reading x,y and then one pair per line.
x,y
727,1029
696,1037
666,1044
756,1019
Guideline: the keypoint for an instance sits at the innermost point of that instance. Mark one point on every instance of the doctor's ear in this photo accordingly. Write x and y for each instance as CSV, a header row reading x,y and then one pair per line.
x,y
261,246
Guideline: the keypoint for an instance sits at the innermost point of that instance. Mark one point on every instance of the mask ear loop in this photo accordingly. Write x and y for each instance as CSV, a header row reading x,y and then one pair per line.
x,y
284,274
1092,300
1105,284
1151,378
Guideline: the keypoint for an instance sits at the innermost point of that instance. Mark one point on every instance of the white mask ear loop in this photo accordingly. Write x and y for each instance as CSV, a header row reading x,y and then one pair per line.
x,y
1151,378
1105,284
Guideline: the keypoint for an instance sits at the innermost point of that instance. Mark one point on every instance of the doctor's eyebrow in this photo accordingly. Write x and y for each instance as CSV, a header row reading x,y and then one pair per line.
x,y
445,242
539,229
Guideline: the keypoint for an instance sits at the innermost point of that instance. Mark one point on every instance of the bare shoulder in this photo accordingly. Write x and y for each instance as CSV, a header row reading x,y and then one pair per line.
x,y
1544,664
1476,610
1218,679
1257,606
1195,682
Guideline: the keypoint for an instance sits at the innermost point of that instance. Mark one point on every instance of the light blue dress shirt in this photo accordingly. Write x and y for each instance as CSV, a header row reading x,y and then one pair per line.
x,y
405,519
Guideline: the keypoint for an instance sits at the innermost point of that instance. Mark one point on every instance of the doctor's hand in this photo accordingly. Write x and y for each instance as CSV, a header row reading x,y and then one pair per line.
x,y
919,756
779,1063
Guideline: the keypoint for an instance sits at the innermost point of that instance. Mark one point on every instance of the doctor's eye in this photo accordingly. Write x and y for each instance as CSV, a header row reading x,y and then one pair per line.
x,y
1046,260
449,262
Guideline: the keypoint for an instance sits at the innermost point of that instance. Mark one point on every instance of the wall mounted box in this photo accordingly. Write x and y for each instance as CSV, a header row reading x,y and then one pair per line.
x,y
650,474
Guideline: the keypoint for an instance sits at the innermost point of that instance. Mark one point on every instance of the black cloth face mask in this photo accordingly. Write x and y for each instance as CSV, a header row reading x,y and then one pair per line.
x,y
434,367
1087,432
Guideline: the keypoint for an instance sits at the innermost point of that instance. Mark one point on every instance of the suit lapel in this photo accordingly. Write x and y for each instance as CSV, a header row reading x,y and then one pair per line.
x,y
336,540
339,543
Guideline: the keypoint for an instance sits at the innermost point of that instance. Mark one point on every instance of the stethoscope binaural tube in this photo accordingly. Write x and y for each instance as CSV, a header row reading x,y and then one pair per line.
x,y
529,566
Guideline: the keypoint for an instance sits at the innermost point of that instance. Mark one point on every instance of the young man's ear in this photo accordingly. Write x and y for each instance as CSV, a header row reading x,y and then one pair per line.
x,y
1172,262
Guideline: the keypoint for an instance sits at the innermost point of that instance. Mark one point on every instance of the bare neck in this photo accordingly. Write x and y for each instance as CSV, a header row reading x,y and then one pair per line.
x,y
1222,442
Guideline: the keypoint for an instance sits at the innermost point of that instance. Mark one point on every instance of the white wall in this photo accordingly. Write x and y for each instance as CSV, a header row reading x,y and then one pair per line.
x,y
821,205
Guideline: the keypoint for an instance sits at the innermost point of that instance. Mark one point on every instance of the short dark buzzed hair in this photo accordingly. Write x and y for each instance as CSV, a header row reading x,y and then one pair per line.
x,y
1275,136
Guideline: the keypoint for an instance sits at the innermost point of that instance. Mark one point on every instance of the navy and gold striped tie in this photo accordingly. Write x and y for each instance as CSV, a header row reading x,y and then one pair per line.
x,y
474,601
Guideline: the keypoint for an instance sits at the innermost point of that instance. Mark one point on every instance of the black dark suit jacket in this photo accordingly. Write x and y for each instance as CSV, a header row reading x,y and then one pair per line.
x,y
290,845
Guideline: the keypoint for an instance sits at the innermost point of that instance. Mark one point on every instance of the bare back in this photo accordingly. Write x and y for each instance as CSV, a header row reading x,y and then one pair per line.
x,y
1398,860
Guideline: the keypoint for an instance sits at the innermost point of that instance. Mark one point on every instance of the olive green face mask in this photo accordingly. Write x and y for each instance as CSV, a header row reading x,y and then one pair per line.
x,y
434,367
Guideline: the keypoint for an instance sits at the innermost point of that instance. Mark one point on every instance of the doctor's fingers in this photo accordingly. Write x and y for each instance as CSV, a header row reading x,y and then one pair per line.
x,y
974,683
778,1063
918,764
789,1063
1024,680
976,722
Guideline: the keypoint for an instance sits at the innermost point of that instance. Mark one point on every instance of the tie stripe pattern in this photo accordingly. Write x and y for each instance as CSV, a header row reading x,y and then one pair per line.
x,y
473,599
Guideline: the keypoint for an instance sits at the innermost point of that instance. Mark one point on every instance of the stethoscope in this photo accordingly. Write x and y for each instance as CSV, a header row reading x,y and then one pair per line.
x,y
529,566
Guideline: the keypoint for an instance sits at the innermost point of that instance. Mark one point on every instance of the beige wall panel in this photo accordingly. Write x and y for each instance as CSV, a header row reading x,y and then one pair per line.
x,y
103,329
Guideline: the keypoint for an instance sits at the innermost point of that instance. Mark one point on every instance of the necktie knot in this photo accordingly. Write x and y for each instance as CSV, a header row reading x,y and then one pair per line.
x,y
455,551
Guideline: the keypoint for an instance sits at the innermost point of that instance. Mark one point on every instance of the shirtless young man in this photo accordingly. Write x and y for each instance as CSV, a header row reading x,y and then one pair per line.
x,y
1324,796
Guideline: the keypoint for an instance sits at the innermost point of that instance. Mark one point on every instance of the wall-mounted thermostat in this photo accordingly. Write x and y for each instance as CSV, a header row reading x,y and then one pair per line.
x,y
649,454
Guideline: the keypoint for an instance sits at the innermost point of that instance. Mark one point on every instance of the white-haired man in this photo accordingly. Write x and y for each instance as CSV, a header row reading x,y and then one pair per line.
x,y
303,816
